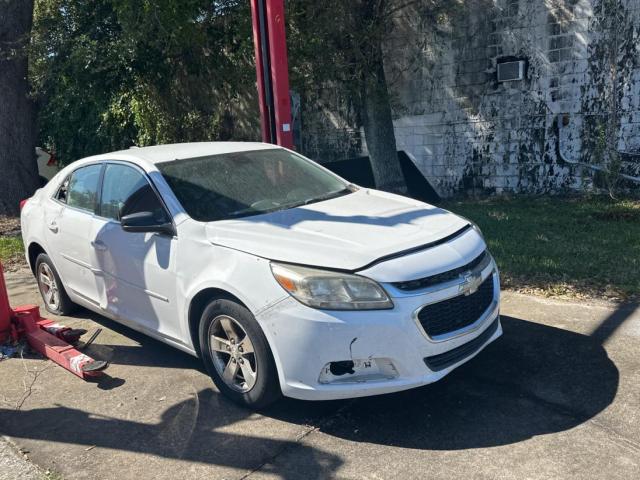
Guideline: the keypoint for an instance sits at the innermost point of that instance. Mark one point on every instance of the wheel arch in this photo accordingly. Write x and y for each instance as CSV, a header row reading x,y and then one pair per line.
x,y
197,305
33,251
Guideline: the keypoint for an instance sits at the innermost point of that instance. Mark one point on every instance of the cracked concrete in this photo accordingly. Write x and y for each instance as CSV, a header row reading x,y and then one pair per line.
x,y
557,397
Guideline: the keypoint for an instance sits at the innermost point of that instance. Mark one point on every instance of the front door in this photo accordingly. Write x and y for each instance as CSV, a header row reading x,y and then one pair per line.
x,y
138,269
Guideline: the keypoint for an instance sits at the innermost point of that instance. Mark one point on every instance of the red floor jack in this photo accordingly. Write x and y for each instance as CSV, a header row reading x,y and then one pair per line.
x,y
47,337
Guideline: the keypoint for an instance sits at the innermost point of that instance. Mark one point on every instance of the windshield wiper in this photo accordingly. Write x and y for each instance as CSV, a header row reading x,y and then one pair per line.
x,y
328,196
245,212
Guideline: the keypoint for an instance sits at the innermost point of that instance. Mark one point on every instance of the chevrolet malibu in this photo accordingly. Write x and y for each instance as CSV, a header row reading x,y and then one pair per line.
x,y
282,277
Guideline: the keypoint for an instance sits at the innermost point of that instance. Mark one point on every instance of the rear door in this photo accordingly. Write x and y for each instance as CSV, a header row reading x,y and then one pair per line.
x,y
69,223
138,268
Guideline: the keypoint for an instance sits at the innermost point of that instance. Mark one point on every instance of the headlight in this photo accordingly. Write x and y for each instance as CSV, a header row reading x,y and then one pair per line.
x,y
330,290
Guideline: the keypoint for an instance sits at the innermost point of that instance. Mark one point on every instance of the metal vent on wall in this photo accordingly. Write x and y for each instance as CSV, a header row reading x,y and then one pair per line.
x,y
509,71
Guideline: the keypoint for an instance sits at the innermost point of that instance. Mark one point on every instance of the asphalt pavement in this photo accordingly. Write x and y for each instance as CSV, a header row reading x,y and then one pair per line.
x,y
558,396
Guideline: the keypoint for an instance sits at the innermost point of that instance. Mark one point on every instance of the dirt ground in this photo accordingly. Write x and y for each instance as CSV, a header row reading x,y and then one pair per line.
x,y
9,226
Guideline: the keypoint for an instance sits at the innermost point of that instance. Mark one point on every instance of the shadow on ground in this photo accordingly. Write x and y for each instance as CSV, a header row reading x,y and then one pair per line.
x,y
535,380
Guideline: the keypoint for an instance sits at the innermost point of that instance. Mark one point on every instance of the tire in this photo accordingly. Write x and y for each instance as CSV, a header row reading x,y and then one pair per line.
x,y
223,355
45,269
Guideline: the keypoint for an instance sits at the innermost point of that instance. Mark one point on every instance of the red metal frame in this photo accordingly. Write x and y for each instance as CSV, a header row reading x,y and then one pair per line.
x,y
272,71
43,335
265,122
5,310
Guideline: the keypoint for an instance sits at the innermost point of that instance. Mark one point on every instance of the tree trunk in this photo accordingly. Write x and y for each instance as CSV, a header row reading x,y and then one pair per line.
x,y
18,167
378,129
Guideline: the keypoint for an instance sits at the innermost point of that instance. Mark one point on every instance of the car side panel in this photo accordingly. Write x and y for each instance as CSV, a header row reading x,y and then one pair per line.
x,y
67,234
139,277
205,266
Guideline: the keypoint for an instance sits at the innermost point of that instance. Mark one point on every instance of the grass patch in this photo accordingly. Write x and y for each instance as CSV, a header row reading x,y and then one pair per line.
x,y
587,246
11,251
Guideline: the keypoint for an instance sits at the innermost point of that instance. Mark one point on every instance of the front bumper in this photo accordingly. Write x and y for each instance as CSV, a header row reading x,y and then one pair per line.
x,y
304,340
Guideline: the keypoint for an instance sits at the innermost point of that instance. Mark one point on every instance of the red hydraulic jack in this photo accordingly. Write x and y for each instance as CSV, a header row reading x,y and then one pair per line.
x,y
47,337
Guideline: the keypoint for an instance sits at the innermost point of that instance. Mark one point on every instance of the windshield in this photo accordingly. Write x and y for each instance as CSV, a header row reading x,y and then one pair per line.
x,y
241,184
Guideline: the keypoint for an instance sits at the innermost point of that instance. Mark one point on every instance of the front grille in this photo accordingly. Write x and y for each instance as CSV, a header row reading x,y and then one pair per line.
x,y
457,312
455,355
443,277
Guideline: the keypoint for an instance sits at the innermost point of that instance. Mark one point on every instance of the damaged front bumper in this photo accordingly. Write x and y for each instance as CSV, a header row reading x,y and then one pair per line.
x,y
325,355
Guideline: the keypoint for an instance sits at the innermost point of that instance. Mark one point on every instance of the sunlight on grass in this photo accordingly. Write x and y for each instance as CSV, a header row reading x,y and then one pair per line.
x,y
11,250
589,246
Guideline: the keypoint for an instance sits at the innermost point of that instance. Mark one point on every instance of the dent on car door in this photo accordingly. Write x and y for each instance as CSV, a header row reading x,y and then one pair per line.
x,y
69,218
138,268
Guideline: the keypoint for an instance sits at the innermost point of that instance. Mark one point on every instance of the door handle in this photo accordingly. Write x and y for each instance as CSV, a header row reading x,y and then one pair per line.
x,y
99,245
53,226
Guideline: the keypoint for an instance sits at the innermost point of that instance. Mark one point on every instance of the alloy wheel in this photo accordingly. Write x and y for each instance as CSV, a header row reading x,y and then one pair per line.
x,y
48,286
233,353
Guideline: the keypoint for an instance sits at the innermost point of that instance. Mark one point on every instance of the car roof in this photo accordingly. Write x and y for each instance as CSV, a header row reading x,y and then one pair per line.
x,y
178,151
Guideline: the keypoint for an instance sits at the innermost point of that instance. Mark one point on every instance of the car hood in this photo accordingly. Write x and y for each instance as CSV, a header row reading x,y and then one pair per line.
x,y
347,233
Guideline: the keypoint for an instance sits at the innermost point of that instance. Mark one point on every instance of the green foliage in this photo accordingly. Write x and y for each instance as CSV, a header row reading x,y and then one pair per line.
x,y
108,74
11,250
334,42
338,41
338,64
606,155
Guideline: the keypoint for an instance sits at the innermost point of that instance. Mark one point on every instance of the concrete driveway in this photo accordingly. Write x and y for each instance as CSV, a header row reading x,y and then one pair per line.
x,y
558,396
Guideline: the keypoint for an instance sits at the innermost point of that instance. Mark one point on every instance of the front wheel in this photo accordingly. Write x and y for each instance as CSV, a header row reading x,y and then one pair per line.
x,y
237,355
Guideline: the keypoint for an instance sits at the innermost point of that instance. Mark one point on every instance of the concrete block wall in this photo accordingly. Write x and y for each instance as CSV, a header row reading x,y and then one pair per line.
x,y
470,133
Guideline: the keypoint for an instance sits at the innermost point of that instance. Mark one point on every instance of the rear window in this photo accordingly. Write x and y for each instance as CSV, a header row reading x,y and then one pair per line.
x,y
82,189
249,183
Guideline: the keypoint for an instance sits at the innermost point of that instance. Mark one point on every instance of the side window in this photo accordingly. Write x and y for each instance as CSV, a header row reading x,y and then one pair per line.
x,y
61,194
82,188
125,191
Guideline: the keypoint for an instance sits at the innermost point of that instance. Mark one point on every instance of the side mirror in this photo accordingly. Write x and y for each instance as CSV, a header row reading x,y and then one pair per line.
x,y
145,222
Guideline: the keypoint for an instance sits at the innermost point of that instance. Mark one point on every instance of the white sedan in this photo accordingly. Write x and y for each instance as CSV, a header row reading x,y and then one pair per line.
x,y
283,277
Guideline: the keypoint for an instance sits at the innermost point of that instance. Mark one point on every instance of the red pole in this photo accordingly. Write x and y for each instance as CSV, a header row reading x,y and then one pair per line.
x,y
265,122
279,72
5,309
272,71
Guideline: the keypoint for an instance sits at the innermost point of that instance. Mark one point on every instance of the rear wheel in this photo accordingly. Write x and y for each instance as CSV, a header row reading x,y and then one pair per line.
x,y
237,355
54,295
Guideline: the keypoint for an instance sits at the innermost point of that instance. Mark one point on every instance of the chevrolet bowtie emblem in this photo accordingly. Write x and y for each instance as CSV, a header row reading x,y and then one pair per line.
x,y
471,282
